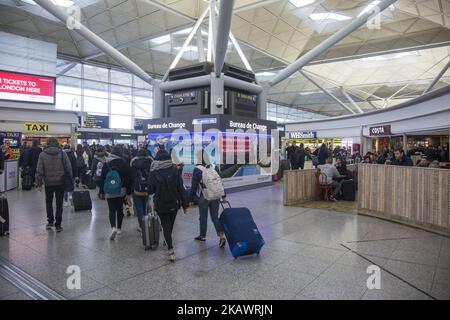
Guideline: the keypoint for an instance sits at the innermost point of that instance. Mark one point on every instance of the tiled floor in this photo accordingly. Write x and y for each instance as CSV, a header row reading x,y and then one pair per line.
x,y
304,257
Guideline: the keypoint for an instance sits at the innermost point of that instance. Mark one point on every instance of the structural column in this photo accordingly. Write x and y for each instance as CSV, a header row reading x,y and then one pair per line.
x,y
217,94
158,102
262,104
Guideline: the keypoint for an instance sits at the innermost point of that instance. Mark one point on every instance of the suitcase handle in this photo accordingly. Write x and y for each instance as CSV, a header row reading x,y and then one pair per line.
x,y
222,202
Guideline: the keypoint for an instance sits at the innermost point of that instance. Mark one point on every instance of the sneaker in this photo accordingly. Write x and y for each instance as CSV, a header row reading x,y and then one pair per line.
x,y
139,230
49,226
200,238
119,232
59,229
66,204
128,213
222,242
113,234
171,255
333,199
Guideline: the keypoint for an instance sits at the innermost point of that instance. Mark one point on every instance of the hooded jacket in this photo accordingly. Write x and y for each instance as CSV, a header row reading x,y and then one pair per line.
x,y
73,161
115,162
164,169
98,157
53,163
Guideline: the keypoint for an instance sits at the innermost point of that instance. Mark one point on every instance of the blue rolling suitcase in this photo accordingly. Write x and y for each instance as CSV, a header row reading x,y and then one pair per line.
x,y
241,231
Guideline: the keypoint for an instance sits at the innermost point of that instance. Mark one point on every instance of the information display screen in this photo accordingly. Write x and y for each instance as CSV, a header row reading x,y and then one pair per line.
x,y
27,87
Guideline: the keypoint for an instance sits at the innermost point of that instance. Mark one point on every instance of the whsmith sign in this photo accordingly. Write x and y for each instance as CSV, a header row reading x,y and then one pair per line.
x,y
302,135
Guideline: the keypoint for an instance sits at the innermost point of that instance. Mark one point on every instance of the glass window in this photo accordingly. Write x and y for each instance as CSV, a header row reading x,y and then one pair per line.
x,y
97,105
95,73
121,78
121,93
121,107
143,110
120,122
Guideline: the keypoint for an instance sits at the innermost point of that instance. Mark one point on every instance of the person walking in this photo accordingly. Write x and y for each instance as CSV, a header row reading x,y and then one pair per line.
x,y
166,184
35,151
73,162
116,187
52,167
140,169
299,156
82,163
207,185
97,164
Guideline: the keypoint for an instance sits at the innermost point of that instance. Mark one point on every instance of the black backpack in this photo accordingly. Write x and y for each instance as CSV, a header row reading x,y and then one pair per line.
x,y
141,182
166,196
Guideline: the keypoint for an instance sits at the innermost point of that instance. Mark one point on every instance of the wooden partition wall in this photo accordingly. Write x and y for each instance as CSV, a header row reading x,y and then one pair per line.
x,y
301,185
411,195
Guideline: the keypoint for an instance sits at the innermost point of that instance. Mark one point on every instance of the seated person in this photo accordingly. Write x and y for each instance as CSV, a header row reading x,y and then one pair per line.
x,y
331,173
341,166
423,162
367,159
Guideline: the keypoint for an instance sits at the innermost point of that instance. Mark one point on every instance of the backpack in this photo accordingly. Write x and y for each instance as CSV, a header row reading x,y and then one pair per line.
x,y
113,183
141,182
212,187
99,168
166,196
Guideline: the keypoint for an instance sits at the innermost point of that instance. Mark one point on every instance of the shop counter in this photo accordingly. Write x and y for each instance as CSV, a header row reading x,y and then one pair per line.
x,y
10,177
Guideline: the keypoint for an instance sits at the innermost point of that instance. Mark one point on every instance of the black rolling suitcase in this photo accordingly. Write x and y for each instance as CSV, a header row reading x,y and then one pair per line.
x,y
150,227
348,189
4,216
82,200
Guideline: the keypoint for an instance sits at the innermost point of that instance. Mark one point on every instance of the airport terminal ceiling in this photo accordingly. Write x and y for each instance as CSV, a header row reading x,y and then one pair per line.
x,y
376,68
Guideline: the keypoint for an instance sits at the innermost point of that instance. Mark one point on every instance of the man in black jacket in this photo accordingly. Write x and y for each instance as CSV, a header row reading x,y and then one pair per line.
x,y
401,159
166,183
35,151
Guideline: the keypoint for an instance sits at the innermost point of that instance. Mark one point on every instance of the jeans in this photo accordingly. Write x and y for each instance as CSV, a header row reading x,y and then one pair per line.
x,y
167,222
140,206
67,195
213,206
337,187
115,206
58,191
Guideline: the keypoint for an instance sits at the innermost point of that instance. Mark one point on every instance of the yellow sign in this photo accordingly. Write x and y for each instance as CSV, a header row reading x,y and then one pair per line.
x,y
35,127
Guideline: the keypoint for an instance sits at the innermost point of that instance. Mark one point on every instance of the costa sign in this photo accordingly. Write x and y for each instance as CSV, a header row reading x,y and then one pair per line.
x,y
380,131
27,87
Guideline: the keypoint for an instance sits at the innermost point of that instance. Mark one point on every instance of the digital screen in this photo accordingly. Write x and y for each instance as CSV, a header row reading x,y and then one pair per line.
x,y
27,88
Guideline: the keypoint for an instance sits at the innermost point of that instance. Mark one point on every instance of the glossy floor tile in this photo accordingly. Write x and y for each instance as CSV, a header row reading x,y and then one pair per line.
x,y
312,252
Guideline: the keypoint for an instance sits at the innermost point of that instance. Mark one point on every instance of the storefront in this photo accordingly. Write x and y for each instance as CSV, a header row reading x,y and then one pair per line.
x,y
108,136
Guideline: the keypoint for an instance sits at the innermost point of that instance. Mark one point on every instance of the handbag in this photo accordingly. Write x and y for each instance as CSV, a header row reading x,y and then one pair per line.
x,y
68,185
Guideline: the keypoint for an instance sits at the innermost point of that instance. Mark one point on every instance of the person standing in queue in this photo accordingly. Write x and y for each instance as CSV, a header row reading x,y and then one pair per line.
x,y
292,156
116,186
299,156
140,168
199,176
97,165
53,164
322,154
82,163
166,184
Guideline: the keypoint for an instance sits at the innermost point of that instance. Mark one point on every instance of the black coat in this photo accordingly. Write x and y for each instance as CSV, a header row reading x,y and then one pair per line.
x,y
404,161
73,161
34,157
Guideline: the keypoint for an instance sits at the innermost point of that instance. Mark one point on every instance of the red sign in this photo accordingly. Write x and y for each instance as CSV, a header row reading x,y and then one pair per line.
x,y
380,131
27,87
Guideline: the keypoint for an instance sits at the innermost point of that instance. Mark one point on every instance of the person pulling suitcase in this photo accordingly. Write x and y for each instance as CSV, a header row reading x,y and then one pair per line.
x,y
166,183
208,186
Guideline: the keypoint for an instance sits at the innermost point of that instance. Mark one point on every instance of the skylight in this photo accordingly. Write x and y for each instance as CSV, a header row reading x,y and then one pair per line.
x,y
301,3
161,40
328,16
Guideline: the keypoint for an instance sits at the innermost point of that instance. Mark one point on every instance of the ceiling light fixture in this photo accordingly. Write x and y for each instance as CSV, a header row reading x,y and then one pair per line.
x,y
328,16
301,3
61,3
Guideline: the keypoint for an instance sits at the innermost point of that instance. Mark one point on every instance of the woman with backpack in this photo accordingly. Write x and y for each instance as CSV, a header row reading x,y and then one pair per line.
x,y
140,169
166,184
116,187
207,185
97,164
